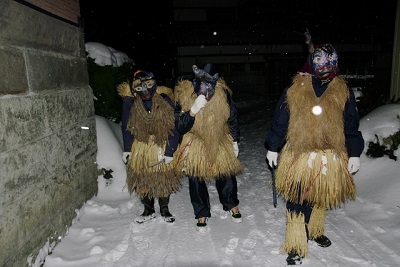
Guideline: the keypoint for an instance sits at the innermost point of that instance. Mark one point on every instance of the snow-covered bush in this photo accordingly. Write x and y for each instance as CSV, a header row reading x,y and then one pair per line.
x,y
381,131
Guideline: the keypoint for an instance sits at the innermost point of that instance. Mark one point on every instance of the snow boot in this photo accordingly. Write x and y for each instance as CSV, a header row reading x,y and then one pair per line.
x,y
149,212
322,241
164,211
316,227
294,259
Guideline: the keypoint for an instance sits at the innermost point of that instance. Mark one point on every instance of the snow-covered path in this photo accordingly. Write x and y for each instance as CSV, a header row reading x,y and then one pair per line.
x,y
105,233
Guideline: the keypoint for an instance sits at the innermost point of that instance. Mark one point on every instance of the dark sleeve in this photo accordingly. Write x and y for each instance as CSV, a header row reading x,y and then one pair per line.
x,y
127,137
173,141
233,120
174,137
354,138
183,121
276,135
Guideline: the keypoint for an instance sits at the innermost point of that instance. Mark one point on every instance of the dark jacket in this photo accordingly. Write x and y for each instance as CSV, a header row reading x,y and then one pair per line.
x,y
128,138
275,137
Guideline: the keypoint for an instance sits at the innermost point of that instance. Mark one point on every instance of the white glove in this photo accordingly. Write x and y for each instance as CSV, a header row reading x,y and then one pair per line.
x,y
125,157
198,104
272,158
167,159
354,164
236,148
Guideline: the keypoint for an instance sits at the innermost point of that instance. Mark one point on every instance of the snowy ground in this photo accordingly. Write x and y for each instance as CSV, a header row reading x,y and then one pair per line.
x,y
365,232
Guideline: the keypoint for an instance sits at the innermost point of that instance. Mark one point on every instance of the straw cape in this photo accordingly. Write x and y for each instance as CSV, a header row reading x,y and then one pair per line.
x,y
206,151
151,130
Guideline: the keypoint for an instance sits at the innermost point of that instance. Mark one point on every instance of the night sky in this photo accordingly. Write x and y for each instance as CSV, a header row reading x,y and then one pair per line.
x,y
133,30
145,30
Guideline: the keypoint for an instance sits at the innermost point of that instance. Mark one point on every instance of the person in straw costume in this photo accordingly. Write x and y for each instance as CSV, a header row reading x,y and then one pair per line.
x,y
150,141
315,130
207,118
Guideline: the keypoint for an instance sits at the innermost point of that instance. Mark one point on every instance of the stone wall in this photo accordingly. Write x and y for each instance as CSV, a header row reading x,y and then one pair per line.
x,y
47,160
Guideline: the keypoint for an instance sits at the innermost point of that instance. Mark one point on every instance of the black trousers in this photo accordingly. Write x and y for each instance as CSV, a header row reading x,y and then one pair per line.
x,y
304,208
227,193
149,202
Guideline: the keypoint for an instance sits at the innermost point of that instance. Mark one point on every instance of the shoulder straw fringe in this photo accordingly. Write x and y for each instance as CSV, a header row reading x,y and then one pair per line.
x,y
165,90
124,90
313,164
206,151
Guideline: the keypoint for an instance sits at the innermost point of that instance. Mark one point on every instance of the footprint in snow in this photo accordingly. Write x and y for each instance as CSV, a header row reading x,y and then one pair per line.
x,y
232,245
247,248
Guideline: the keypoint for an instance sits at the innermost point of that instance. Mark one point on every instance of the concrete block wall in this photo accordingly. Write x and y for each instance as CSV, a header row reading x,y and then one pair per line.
x,y
47,161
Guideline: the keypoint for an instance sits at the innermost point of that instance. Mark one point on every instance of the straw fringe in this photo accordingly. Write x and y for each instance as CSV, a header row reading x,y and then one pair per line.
x,y
296,236
157,123
154,182
324,181
192,156
316,225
